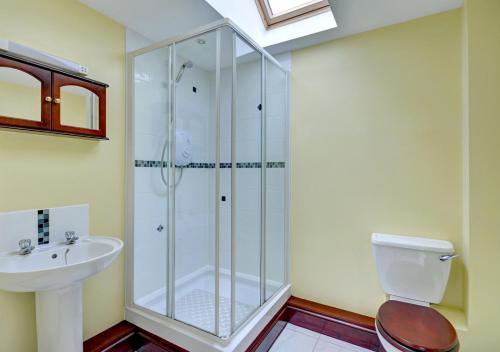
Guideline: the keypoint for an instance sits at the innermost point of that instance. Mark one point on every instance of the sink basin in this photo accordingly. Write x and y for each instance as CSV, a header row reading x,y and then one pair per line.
x,y
56,273
57,266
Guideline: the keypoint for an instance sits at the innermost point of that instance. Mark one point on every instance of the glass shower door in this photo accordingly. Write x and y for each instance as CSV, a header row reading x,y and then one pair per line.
x,y
151,111
276,155
247,208
194,180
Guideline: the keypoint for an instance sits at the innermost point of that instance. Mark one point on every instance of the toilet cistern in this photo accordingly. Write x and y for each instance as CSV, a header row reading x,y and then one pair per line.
x,y
413,269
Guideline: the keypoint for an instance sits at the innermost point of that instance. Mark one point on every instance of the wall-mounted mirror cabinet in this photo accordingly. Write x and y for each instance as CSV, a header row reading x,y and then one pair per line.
x,y
41,98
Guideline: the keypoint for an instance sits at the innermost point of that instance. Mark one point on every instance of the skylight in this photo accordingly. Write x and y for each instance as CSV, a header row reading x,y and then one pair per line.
x,y
281,6
278,12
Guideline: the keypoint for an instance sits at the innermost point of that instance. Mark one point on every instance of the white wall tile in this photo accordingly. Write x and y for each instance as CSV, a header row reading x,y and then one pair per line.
x,y
148,146
15,226
71,218
18,225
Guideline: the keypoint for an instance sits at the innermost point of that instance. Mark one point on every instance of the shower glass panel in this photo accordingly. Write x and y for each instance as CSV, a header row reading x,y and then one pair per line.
x,y
225,179
196,205
248,180
150,125
208,116
276,146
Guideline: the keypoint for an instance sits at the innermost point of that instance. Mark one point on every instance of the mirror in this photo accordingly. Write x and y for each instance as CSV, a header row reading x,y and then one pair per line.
x,y
79,108
20,95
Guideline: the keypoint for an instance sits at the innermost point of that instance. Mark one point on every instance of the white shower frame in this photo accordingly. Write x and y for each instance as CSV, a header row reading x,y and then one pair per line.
x,y
182,334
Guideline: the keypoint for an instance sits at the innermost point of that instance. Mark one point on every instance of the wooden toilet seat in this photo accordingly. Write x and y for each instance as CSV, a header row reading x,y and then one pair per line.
x,y
411,328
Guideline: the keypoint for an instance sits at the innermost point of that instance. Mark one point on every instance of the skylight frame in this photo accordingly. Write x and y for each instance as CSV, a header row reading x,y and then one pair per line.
x,y
270,20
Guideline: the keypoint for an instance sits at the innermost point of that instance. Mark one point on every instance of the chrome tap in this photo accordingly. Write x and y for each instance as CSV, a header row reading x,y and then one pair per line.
x,y
71,237
25,247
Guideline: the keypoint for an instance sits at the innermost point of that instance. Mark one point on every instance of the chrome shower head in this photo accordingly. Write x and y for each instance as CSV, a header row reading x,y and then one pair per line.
x,y
187,65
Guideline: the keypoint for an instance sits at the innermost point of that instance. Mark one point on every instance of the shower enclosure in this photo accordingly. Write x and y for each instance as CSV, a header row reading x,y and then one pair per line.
x,y
207,232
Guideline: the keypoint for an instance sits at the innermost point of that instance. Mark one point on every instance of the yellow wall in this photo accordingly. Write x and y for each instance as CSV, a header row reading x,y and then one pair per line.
x,y
483,47
39,170
398,130
376,147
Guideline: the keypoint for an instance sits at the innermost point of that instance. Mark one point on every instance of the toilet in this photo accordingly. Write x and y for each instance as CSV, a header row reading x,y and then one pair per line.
x,y
414,272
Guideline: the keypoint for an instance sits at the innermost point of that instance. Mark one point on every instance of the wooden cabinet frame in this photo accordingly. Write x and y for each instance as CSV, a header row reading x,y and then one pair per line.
x,y
59,81
44,77
52,80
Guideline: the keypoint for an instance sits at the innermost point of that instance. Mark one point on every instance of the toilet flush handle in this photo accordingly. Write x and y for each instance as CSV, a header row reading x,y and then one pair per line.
x,y
445,258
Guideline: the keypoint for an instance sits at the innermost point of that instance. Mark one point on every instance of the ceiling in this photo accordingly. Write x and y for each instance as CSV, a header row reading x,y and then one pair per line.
x,y
160,19
157,19
356,16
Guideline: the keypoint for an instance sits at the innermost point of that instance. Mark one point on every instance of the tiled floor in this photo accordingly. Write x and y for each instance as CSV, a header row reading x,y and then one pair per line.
x,y
296,339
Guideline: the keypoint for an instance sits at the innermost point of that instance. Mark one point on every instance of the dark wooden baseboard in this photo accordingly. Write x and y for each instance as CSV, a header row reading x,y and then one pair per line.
x,y
337,323
121,332
126,337
271,331
351,327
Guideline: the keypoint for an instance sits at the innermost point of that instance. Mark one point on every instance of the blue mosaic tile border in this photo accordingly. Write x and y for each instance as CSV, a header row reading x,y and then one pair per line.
x,y
275,164
149,163
199,166
250,165
43,226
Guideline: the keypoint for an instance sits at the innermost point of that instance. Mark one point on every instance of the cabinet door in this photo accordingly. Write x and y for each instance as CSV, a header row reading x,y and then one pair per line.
x,y
25,95
79,107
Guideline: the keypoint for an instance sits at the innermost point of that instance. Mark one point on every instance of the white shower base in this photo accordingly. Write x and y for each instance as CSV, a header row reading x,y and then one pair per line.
x,y
195,306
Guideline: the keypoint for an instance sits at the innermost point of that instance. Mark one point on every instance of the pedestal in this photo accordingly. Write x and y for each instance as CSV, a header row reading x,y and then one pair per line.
x,y
59,320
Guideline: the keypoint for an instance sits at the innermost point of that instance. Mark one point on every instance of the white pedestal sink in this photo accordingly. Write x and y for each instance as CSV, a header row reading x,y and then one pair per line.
x,y
56,274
